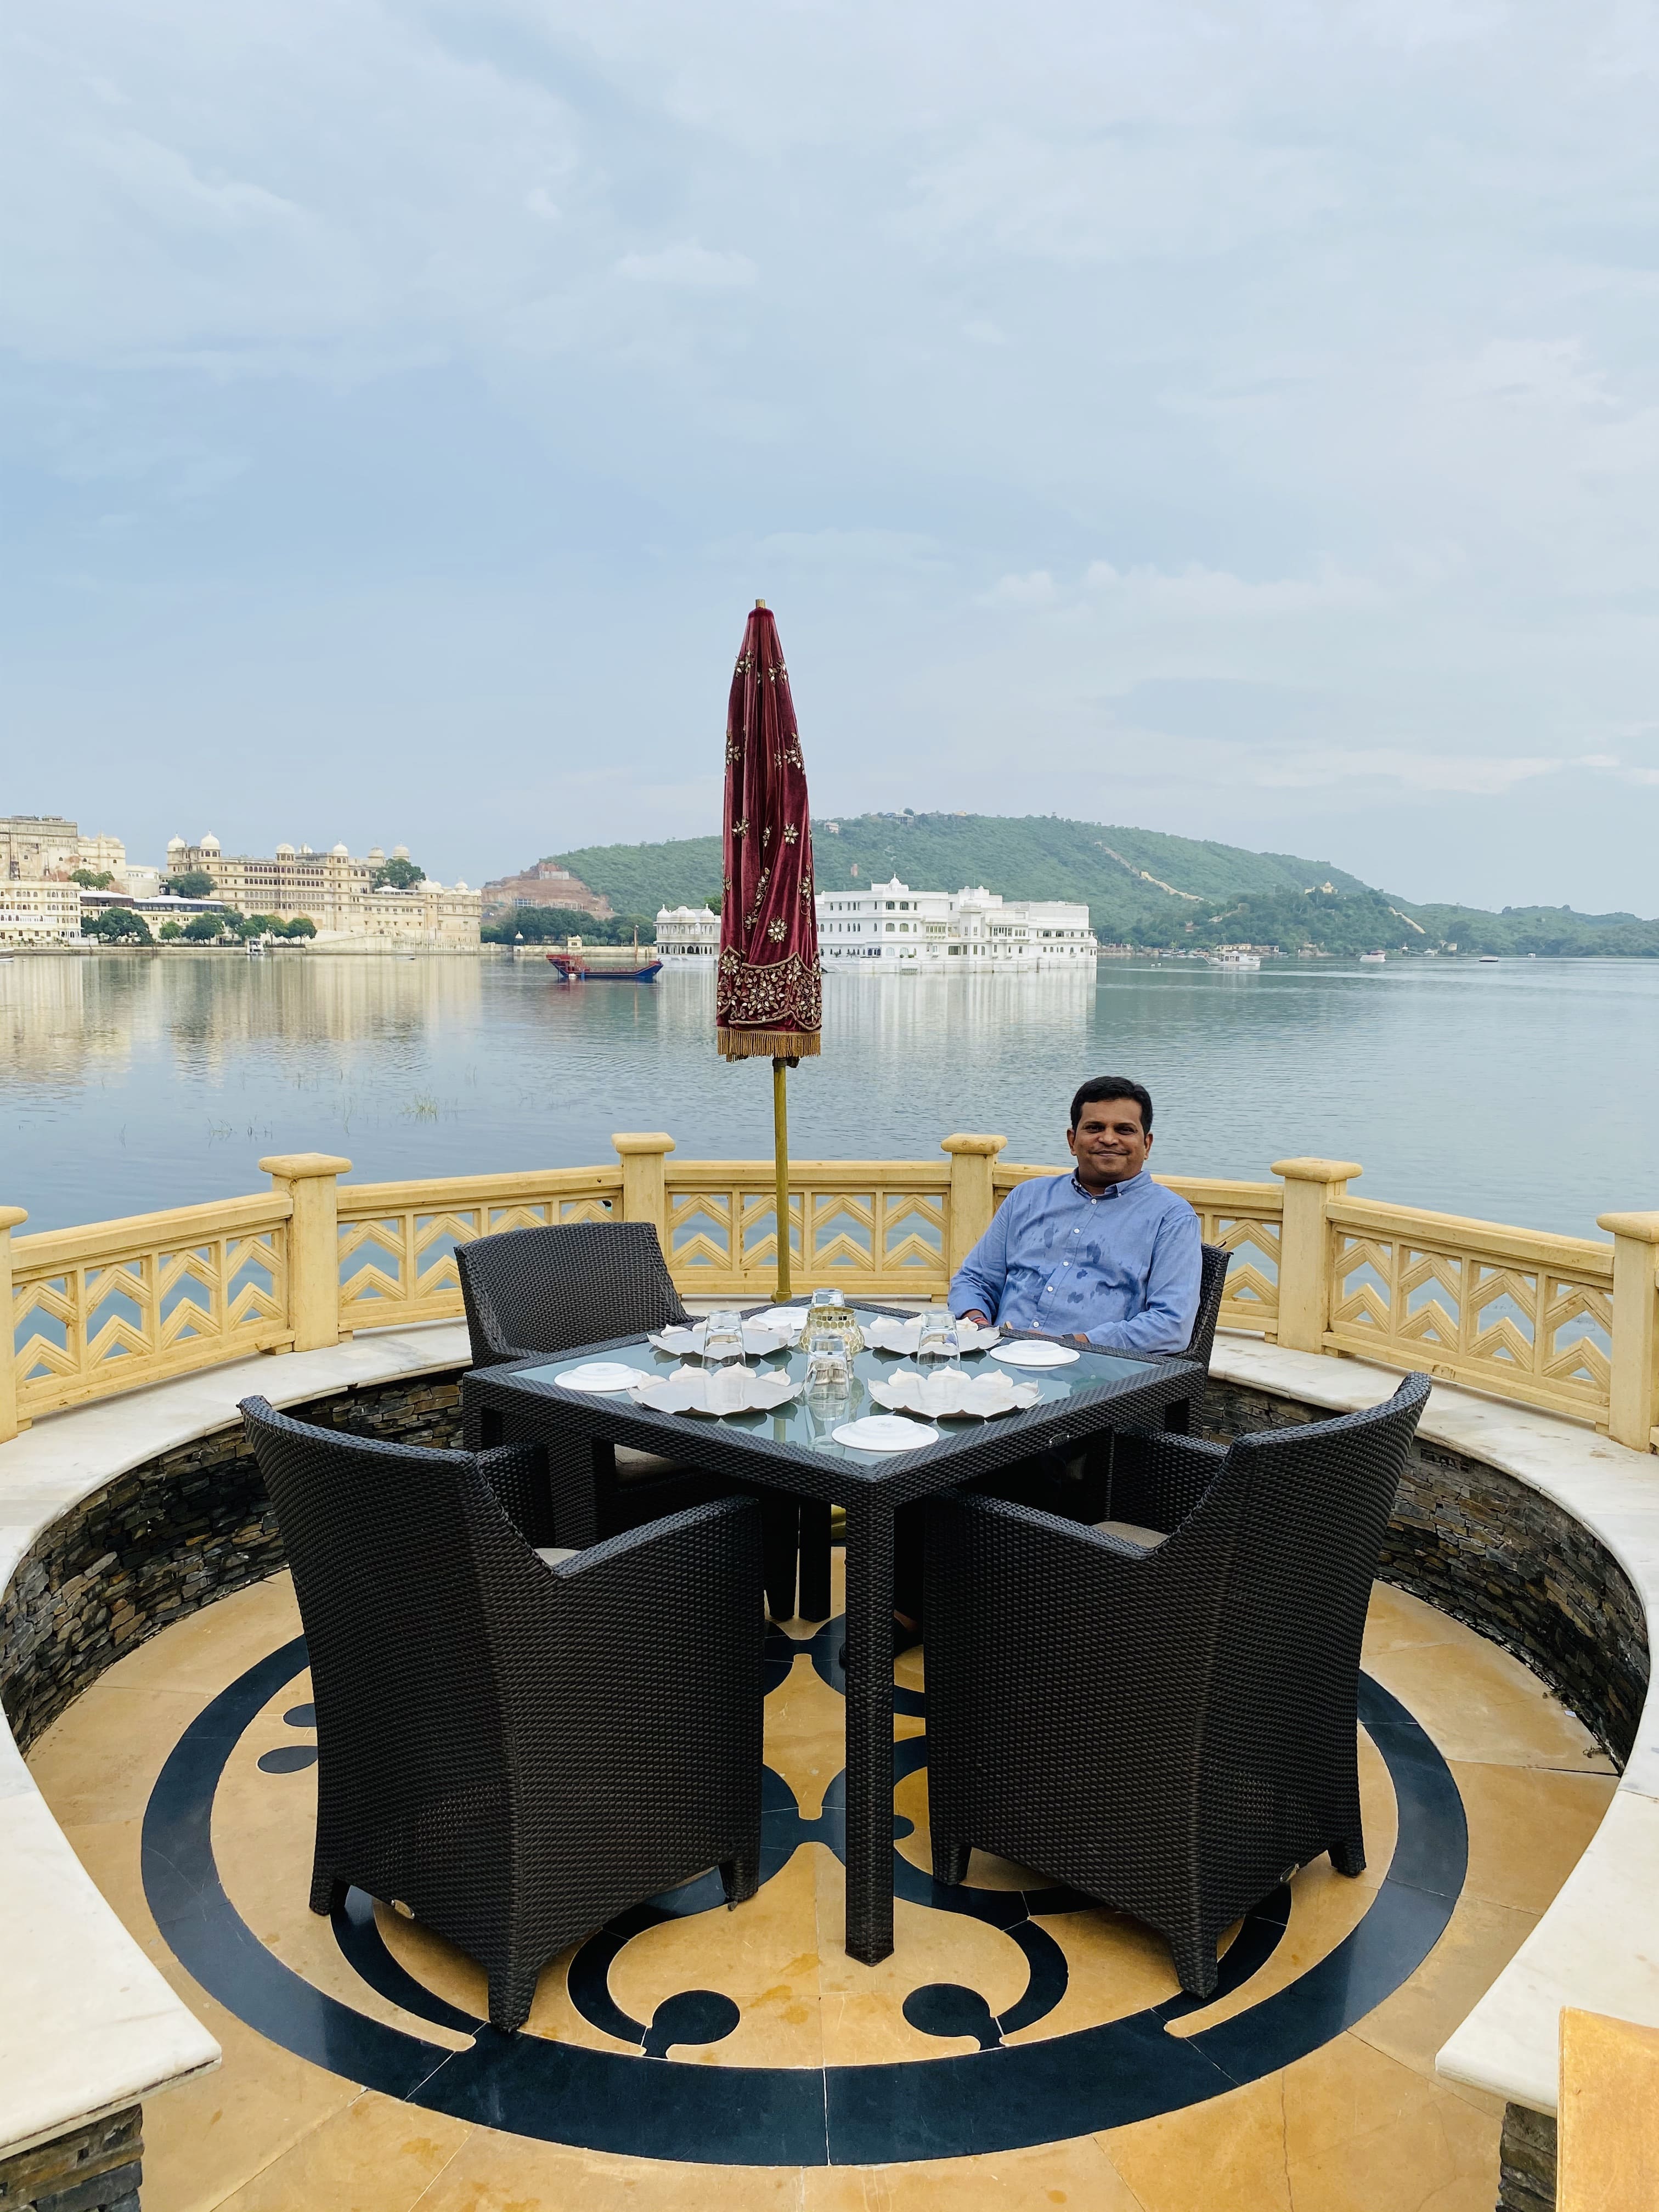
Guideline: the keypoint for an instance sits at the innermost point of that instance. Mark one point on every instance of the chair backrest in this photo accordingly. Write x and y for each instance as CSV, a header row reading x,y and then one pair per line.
x,y
1300,1513
410,1577
558,1288
1212,1283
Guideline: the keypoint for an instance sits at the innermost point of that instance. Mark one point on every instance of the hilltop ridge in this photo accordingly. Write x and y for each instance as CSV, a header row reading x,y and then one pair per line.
x,y
1143,887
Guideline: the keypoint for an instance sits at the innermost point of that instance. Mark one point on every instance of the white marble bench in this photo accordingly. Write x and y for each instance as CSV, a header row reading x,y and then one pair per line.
x,y
87,2026
1597,1947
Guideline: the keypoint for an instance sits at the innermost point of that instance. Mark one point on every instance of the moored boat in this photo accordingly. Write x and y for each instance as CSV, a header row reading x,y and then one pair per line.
x,y
1372,959
584,968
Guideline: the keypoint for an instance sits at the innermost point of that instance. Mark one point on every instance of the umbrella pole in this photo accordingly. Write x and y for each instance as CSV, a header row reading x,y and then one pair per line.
x,y
780,1158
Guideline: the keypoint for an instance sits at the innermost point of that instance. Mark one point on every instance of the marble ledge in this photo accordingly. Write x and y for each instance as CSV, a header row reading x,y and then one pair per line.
x,y
1597,1947
65,1457
88,2025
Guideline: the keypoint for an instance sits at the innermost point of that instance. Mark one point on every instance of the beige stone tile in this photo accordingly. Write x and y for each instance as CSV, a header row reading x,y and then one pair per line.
x,y
763,1956
496,2172
1479,1704
1412,2025
100,1761
1224,2156
1365,2134
377,2155
1528,1829
1114,1966
205,2139
863,2014
1396,1621
805,1735
1078,2174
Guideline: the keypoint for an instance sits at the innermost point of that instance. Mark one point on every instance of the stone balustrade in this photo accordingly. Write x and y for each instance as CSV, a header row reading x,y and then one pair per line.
x,y
1568,1323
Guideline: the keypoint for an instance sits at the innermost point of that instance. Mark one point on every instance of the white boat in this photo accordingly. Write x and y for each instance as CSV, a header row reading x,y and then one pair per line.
x,y
1372,959
1234,960
1489,960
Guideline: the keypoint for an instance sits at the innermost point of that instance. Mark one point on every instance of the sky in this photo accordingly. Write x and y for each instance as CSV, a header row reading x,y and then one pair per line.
x,y
1240,420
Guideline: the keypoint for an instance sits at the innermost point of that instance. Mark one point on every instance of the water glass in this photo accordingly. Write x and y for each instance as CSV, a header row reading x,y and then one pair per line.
x,y
829,1370
722,1341
938,1351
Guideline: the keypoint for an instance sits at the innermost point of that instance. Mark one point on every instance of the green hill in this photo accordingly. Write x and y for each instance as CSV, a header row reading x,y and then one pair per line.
x,y
1141,886
1130,878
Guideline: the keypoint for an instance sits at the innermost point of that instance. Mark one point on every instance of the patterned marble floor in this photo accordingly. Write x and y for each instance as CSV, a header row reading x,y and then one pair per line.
x,y
1022,2021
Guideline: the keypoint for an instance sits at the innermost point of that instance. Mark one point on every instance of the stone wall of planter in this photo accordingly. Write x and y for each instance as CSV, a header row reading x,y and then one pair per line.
x,y
166,1538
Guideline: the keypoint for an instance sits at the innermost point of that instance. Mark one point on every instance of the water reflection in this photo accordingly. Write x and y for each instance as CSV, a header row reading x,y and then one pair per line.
x,y
129,1083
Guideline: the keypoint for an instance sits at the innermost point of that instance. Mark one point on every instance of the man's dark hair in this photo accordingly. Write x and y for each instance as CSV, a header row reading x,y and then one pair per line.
x,y
1113,1086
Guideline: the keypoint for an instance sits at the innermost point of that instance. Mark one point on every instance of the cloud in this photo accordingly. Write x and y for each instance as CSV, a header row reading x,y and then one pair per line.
x,y
689,267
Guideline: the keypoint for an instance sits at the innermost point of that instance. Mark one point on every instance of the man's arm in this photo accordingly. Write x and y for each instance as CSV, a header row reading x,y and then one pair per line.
x,y
1165,1323
978,1283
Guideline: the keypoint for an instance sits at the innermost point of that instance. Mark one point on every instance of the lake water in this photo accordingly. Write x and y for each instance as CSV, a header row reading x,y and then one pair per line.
x,y
1522,1092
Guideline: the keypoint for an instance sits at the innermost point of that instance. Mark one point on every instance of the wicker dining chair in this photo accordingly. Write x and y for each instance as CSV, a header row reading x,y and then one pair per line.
x,y
516,1746
573,1283
1168,1723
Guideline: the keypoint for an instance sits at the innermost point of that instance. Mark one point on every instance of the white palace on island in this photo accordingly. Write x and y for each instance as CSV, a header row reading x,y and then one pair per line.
x,y
891,927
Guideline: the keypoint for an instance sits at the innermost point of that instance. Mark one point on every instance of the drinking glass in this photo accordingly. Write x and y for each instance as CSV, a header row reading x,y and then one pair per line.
x,y
722,1341
938,1349
829,1370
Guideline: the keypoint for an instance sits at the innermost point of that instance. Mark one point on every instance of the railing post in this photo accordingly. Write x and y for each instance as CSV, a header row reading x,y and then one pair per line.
x,y
972,1199
307,1181
1633,1391
645,1195
1304,1248
11,1217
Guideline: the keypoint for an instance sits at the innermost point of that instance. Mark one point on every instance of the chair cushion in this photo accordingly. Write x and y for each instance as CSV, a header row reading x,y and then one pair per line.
x,y
552,1555
1148,1538
642,1466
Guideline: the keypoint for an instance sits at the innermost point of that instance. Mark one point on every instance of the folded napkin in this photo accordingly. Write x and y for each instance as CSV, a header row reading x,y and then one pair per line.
x,y
726,1390
943,1397
886,1334
756,1341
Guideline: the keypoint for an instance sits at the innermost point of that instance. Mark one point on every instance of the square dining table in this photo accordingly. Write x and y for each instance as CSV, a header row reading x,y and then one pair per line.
x,y
792,1448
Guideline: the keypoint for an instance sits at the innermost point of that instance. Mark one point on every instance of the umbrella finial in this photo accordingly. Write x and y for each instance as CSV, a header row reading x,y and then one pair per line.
x,y
759,603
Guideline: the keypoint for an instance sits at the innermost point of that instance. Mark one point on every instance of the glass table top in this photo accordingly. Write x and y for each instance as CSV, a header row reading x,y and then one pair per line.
x,y
811,1427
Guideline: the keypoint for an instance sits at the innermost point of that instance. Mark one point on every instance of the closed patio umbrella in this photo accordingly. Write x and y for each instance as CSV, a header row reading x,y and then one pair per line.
x,y
768,1002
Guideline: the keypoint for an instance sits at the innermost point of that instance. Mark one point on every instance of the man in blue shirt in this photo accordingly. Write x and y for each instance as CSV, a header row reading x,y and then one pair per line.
x,y
1105,1253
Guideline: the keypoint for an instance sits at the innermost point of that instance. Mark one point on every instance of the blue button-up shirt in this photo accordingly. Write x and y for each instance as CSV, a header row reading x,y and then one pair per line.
x,y
1122,1269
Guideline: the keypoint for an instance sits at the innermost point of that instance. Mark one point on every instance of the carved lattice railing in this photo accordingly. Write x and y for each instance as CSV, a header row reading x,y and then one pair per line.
x,y
397,1240
868,1226
119,1304
1512,1311
1569,1323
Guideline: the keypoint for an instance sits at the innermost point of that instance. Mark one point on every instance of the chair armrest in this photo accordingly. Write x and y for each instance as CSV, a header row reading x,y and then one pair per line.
x,y
683,1578
518,1475
1158,1476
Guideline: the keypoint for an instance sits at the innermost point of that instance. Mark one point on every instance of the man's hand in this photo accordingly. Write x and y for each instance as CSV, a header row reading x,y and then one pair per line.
x,y
975,1314
1084,1341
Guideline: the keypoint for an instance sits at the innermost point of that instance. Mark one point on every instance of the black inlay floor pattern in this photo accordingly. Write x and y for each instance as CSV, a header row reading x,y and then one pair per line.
x,y
997,2097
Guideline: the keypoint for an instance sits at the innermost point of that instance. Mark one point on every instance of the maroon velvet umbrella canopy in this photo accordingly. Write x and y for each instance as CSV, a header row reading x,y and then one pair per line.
x,y
768,1002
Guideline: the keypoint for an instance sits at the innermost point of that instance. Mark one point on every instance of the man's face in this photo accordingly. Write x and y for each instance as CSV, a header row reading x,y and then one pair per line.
x,y
1109,1144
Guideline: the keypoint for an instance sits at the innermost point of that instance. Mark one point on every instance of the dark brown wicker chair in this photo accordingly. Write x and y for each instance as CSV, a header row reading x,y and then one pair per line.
x,y
515,1747
576,1282
1167,1726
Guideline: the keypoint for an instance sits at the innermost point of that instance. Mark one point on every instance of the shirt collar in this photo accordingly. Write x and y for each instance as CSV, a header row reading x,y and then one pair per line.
x,y
1112,1189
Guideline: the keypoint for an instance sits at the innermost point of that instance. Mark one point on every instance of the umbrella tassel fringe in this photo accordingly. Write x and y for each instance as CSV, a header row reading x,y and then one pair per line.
x,y
768,1044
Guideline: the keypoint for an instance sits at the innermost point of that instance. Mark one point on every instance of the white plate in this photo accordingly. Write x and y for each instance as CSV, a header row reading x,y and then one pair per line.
x,y
886,1432
785,1320
601,1377
757,1342
1033,1355
973,1400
